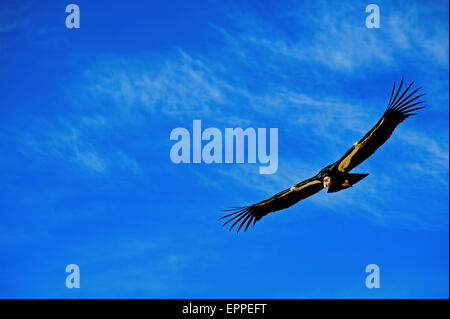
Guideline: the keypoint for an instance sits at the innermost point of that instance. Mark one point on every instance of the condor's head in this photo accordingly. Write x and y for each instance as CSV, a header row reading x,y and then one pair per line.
x,y
326,181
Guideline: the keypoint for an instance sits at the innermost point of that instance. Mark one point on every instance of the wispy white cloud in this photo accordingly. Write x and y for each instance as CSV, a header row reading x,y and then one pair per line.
x,y
67,143
433,160
124,94
335,36
194,87
412,37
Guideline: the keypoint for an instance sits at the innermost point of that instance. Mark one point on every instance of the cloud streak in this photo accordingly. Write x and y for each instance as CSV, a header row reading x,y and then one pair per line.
x,y
125,94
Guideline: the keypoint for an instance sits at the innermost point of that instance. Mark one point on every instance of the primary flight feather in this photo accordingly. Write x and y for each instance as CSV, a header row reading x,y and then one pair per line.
x,y
336,176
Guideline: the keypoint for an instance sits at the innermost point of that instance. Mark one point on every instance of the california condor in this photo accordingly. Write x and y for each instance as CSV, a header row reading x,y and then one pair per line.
x,y
336,176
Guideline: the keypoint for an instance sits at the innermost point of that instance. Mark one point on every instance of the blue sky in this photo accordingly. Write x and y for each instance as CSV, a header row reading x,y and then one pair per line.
x,y
86,177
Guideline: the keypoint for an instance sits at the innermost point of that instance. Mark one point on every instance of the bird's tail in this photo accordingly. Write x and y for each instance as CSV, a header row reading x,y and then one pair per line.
x,y
355,178
349,181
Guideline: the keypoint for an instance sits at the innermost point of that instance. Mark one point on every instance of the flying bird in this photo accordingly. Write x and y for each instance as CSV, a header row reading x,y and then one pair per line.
x,y
337,176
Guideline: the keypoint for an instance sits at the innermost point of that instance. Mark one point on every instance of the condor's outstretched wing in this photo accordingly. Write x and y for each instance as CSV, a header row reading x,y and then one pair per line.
x,y
399,108
248,214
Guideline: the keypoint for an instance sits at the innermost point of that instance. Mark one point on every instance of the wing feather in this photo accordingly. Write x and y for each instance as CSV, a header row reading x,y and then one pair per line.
x,y
248,214
398,110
